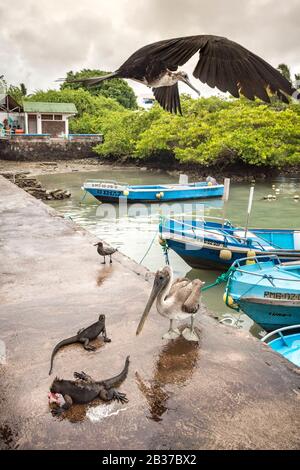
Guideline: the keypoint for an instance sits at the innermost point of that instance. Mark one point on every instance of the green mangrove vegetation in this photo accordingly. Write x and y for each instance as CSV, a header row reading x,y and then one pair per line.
x,y
212,131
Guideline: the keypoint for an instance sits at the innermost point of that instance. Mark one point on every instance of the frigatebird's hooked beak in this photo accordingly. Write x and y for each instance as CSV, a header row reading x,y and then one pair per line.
x,y
159,283
187,81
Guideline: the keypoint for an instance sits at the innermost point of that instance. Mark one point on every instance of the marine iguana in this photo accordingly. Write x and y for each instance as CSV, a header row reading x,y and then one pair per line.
x,y
105,250
84,389
84,336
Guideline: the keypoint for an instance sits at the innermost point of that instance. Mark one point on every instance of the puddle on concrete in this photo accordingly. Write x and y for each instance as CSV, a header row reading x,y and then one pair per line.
x,y
103,274
174,366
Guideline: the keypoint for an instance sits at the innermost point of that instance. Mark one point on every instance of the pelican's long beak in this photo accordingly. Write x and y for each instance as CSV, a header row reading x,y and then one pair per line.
x,y
154,293
186,80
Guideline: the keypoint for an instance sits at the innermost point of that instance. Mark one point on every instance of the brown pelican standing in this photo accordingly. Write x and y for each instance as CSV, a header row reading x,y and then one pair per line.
x,y
222,63
176,301
105,251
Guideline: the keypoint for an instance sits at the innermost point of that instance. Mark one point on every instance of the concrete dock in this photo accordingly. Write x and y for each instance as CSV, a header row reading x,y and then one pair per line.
x,y
228,392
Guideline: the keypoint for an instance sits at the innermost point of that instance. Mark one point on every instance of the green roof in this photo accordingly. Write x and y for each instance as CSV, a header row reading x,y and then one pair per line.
x,y
40,107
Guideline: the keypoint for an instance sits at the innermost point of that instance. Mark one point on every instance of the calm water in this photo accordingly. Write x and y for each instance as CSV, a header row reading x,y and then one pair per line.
x,y
133,232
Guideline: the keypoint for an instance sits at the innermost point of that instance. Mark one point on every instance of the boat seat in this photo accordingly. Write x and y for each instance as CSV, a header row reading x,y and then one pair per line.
x,y
255,238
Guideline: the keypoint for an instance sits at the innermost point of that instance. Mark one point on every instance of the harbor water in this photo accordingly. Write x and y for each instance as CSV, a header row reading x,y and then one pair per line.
x,y
133,229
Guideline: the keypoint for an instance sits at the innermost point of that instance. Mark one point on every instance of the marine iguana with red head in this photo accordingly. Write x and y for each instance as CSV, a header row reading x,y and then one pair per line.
x,y
84,336
84,389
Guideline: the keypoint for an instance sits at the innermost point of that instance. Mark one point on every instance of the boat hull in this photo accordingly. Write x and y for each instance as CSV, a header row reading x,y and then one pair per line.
x,y
286,341
267,291
216,245
209,257
271,315
156,195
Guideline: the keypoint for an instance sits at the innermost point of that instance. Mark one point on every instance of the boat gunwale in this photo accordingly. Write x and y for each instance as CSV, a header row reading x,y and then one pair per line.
x,y
268,301
280,330
163,187
233,248
256,244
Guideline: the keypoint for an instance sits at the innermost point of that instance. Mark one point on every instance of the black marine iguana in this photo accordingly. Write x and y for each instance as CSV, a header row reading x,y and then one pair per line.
x,y
84,336
84,389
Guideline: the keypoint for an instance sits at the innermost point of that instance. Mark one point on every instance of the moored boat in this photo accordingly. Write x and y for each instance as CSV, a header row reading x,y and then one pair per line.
x,y
285,341
266,289
216,243
113,191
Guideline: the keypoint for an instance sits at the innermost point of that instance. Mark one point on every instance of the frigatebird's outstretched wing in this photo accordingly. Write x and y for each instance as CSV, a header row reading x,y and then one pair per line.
x,y
168,98
223,64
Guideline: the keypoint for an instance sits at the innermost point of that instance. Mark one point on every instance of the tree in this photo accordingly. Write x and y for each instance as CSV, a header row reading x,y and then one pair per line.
x,y
23,89
115,88
83,100
285,71
18,92
212,131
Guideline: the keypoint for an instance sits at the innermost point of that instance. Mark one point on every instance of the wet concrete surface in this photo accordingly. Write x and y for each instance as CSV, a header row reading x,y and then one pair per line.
x,y
228,392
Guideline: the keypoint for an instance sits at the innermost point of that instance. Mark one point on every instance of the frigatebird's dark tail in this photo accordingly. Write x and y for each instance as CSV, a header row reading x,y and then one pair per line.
x,y
91,81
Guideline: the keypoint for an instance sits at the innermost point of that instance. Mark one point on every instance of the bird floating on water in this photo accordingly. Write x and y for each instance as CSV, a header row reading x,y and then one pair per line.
x,y
222,63
105,250
176,300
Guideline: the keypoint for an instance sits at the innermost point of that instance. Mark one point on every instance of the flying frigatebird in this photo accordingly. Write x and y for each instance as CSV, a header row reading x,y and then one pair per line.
x,y
222,63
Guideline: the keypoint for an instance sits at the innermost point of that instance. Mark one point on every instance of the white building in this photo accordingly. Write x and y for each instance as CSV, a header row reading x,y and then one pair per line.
x,y
35,118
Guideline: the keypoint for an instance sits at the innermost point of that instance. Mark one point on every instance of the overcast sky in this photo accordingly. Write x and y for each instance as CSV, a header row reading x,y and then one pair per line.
x,y
40,40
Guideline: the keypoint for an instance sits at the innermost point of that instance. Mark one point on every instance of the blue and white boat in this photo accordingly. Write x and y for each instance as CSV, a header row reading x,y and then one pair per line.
x,y
216,243
113,191
286,341
266,289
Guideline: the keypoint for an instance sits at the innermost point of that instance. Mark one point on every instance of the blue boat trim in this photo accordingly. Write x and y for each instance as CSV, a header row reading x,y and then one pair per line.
x,y
267,290
217,243
285,341
105,190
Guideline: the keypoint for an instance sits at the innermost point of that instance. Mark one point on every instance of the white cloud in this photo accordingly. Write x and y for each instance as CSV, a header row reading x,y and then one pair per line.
x,y
41,41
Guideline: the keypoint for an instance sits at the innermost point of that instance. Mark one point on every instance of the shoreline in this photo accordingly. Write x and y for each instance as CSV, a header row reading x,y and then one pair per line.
x,y
237,174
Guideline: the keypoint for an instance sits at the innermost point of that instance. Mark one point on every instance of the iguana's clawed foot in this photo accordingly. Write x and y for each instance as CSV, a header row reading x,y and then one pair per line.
x,y
79,375
107,340
90,348
82,376
120,397
57,411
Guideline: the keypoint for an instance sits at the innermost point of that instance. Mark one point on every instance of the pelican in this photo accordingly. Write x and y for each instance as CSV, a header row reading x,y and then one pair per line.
x,y
222,63
105,251
176,300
